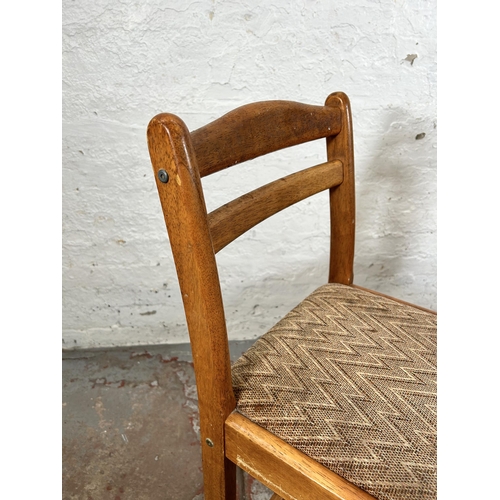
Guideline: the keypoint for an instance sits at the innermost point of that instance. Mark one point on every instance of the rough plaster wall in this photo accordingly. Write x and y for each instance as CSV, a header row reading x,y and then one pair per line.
x,y
124,62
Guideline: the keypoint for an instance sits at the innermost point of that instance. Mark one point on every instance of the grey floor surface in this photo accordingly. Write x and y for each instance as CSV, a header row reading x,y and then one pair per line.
x,y
131,426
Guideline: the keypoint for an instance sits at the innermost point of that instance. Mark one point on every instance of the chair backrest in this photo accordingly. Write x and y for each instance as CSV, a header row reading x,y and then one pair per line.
x,y
181,158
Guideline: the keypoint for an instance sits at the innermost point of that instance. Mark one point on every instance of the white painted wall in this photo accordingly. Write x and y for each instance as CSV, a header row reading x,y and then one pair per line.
x,y
124,62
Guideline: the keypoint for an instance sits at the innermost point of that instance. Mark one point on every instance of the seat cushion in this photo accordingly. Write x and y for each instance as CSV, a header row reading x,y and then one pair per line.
x,y
348,377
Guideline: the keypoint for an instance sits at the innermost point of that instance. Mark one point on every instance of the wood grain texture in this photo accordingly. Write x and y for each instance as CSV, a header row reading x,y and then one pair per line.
x,y
259,128
342,199
238,216
285,470
186,219
245,133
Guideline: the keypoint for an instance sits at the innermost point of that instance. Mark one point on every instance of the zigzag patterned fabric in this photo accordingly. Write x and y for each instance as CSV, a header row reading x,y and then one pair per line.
x,y
349,378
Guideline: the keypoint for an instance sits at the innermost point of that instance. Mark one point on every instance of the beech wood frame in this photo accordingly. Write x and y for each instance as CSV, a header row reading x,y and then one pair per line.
x,y
228,438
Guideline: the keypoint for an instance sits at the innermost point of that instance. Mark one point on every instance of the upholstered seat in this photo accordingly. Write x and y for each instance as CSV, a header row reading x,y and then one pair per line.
x,y
348,377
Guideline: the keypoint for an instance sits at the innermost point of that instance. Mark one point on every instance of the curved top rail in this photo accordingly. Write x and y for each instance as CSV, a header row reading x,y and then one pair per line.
x,y
260,128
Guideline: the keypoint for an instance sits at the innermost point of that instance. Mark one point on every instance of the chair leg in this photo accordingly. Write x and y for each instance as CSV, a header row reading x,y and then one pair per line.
x,y
219,476
230,479
275,497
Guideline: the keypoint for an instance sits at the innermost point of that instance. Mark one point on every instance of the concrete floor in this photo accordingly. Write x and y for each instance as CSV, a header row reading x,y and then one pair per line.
x,y
131,427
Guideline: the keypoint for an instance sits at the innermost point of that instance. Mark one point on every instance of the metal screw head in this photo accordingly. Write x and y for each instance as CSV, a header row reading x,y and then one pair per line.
x,y
163,176
209,442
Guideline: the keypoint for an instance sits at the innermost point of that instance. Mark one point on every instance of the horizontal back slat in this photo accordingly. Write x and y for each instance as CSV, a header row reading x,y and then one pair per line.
x,y
238,216
260,128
